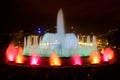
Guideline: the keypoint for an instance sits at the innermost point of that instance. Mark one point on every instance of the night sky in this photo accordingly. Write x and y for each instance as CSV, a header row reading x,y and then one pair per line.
x,y
85,15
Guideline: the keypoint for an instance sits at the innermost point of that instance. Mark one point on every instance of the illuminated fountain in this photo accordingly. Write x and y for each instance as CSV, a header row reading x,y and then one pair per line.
x,y
51,49
19,58
63,44
11,52
108,55
34,59
95,58
76,59
54,60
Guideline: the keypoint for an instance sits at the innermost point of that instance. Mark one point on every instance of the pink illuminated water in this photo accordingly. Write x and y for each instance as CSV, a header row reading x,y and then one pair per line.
x,y
76,59
35,59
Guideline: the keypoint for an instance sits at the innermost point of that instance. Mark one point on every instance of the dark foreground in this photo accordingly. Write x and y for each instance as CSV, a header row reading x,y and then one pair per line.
x,y
93,72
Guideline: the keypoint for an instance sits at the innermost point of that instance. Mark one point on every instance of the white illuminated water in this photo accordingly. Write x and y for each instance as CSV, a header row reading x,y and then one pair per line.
x,y
64,44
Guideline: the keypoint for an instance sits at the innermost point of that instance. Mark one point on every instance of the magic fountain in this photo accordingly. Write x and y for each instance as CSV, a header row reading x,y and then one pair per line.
x,y
57,47
63,44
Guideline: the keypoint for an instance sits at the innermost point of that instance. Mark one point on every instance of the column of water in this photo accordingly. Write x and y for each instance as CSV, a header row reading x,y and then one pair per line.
x,y
28,41
88,40
25,43
94,40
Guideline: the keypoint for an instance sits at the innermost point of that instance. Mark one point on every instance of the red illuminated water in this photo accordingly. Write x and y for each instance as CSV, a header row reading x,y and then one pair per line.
x,y
11,52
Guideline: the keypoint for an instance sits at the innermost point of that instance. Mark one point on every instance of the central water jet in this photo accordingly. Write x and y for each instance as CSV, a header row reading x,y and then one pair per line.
x,y
60,22
63,44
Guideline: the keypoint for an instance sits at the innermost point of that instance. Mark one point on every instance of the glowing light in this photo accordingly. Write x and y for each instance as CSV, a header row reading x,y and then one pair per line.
x,y
39,30
85,43
76,59
108,55
35,59
95,58
102,50
19,57
54,60
11,52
